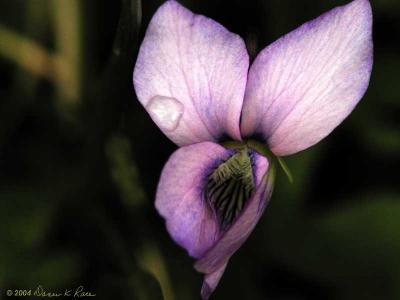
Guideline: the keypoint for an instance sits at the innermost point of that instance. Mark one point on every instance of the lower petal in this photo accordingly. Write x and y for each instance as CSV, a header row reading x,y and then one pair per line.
x,y
236,235
211,281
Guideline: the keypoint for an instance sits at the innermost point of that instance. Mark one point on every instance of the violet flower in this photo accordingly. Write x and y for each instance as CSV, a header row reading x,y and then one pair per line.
x,y
192,76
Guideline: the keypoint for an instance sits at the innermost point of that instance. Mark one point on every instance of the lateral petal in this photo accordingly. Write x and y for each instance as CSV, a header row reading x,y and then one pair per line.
x,y
190,76
306,83
179,197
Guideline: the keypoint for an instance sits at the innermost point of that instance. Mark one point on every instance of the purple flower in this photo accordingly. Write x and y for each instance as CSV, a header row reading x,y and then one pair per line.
x,y
192,76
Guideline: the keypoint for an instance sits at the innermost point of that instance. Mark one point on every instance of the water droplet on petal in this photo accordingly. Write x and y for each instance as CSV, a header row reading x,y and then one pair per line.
x,y
165,111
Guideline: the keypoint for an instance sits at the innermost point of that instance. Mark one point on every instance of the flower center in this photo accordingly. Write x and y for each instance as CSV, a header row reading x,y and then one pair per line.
x,y
230,185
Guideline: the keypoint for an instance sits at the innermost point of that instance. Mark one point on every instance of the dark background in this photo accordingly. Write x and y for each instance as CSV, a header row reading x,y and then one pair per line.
x,y
80,160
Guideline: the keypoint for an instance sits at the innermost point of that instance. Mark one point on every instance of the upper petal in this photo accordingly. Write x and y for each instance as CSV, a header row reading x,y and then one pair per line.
x,y
190,76
303,85
180,200
217,256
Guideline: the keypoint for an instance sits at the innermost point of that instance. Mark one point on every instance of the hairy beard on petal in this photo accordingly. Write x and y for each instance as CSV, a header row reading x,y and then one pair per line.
x,y
229,186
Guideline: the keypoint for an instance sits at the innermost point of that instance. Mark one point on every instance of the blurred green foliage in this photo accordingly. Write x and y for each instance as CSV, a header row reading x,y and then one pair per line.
x,y
80,161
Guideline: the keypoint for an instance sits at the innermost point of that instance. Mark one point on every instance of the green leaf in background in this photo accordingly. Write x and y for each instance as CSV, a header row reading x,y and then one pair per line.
x,y
381,132
26,216
124,171
354,249
288,198
139,286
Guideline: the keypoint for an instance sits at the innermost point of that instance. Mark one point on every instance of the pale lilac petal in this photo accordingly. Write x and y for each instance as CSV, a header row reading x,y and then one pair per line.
x,y
179,197
303,85
211,281
241,228
190,76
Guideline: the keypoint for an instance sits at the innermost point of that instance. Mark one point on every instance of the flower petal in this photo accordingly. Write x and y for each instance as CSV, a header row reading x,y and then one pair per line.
x,y
211,281
236,235
303,85
190,76
179,197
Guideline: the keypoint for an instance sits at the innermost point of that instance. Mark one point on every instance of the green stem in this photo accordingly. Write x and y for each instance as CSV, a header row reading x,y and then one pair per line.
x,y
31,56
67,22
